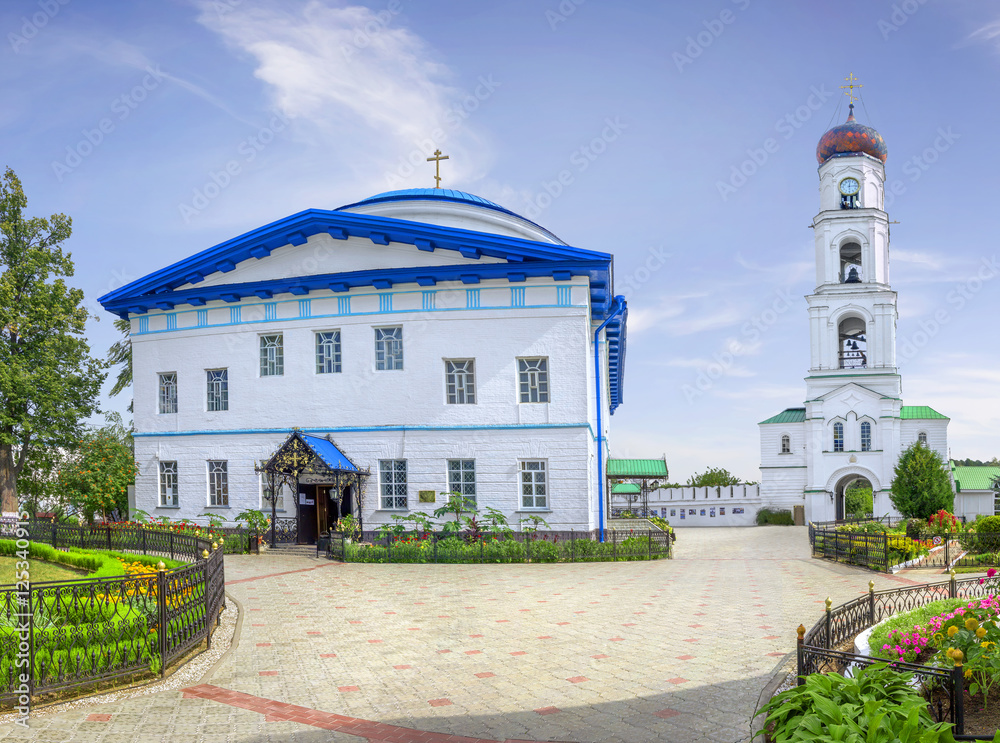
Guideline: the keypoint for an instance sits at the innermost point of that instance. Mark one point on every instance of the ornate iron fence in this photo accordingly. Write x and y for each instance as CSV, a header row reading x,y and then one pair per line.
x,y
882,551
548,546
817,647
61,635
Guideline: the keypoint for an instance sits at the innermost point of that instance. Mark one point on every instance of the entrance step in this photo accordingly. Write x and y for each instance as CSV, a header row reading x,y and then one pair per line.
x,y
293,550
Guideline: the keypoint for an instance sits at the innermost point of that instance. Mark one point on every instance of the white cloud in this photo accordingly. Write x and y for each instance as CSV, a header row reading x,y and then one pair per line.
x,y
930,261
362,82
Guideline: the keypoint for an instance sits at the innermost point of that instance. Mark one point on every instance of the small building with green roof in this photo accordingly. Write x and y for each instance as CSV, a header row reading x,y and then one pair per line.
x,y
977,489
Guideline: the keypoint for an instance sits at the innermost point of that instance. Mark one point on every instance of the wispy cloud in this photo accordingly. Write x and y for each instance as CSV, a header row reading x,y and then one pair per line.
x,y
986,33
929,261
363,81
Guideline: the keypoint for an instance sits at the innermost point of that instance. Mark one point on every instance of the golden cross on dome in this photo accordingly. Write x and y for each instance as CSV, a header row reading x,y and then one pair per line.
x,y
852,83
437,166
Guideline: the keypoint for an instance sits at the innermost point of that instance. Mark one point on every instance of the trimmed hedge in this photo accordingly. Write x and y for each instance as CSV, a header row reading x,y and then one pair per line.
x,y
769,517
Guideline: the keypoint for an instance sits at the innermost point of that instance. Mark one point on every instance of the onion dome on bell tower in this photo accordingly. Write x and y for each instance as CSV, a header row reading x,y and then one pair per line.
x,y
851,138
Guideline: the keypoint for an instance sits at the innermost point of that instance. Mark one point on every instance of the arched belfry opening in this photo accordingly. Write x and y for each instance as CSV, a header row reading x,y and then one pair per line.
x,y
853,343
850,263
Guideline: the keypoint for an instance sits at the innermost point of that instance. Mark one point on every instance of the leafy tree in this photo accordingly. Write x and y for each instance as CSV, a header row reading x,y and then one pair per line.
x,y
120,354
858,502
921,486
48,381
96,479
711,477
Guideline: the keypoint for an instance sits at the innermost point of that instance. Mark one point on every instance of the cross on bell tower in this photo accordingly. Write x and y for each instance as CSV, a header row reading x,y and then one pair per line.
x,y
438,157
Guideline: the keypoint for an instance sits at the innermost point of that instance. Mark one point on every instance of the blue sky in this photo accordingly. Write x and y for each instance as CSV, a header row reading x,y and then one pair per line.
x,y
121,113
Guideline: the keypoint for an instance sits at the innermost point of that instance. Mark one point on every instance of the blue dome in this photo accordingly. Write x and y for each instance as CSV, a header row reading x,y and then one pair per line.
x,y
436,194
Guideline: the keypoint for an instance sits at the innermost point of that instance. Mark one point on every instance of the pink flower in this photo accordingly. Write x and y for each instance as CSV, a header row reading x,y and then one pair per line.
x,y
991,572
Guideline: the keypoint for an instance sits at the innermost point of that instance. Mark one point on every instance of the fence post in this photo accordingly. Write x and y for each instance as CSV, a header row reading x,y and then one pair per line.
x,y
108,530
871,603
885,550
649,545
947,550
572,545
958,689
161,611
800,653
54,531
31,645
171,545
434,539
208,602
829,623
951,584
614,546
144,540
482,548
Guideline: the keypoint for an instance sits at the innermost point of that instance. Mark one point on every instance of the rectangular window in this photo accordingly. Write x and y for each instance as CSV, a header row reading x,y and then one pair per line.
x,y
168,392
462,477
533,376
328,352
218,483
534,486
388,349
168,484
392,483
272,356
838,437
218,389
460,380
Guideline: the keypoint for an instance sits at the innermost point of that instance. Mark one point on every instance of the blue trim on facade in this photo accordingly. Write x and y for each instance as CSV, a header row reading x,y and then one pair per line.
x,y
369,429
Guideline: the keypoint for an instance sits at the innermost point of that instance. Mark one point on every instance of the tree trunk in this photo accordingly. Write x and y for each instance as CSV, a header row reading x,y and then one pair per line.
x,y
8,481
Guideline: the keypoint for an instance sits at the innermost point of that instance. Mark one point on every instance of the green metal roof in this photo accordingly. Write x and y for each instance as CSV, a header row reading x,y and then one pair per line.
x,y
920,412
789,415
637,468
974,477
626,487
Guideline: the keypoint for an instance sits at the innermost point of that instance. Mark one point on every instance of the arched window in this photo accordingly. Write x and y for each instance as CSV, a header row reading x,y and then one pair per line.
x,y
838,437
922,438
866,436
850,258
853,343
786,444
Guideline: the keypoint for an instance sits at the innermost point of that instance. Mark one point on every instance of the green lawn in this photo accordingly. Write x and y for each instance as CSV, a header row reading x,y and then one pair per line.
x,y
40,571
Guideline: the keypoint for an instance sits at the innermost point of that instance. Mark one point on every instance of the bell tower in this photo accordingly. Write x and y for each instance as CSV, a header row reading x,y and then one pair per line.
x,y
852,311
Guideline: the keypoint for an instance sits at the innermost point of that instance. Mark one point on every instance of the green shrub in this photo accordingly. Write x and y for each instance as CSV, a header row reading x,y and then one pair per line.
x,y
767,516
858,502
877,704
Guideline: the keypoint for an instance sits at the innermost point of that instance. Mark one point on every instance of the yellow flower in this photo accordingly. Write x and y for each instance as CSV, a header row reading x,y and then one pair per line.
x,y
981,632
968,673
952,631
972,623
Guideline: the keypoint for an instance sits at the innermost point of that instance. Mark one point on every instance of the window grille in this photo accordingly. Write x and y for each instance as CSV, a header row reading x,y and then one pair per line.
x,y
388,349
392,483
168,484
534,487
460,379
168,392
272,356
218,483
462,478
533,376
786,445
218,389
328,352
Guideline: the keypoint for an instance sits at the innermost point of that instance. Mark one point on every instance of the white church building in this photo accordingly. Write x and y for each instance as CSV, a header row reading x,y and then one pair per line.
x,y
428,339
853,424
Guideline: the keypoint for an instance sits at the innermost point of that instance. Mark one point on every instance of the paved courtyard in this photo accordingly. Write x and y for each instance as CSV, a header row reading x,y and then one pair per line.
x,y
674,650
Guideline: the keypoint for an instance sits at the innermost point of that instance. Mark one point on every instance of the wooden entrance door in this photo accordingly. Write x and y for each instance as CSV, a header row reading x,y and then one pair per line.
x,y
307,513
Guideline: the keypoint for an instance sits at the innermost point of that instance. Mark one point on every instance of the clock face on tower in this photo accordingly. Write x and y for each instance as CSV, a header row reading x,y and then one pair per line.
x,y
849,186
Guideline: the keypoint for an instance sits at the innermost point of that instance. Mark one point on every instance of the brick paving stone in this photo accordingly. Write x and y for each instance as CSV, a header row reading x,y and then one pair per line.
x,y
380,690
